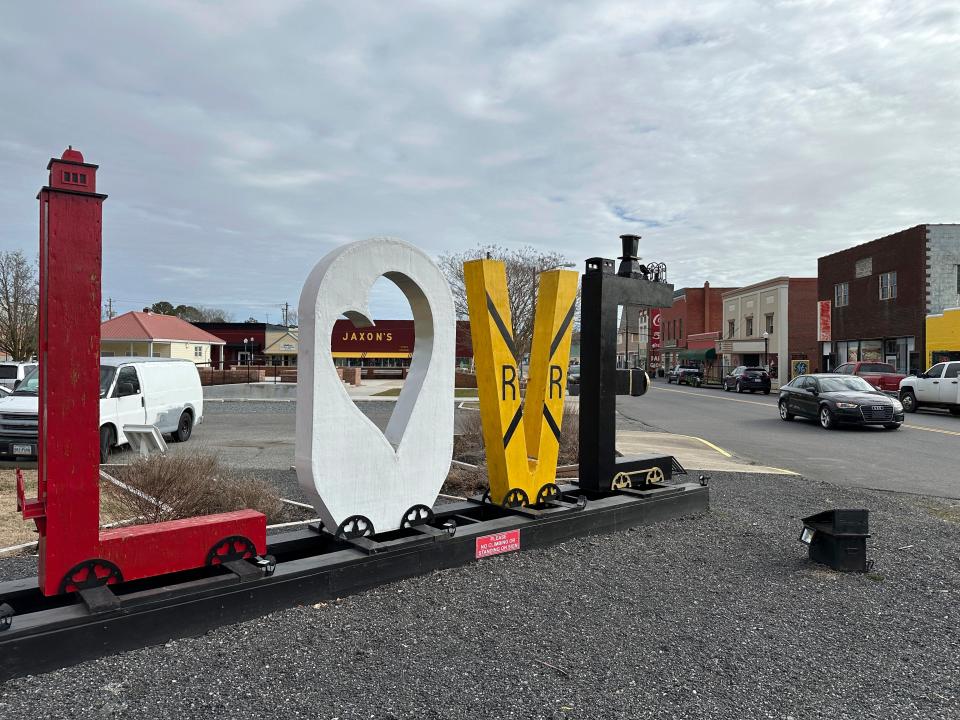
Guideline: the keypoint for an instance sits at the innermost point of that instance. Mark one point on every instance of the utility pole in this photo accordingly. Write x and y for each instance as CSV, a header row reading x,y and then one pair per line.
x,y
109,309
286,314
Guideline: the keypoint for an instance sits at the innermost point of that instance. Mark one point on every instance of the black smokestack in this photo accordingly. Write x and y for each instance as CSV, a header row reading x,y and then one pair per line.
x,y
629,262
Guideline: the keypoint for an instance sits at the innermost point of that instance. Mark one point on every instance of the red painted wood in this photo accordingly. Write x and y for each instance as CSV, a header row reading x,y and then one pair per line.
x,y
69,354
148,550
68,505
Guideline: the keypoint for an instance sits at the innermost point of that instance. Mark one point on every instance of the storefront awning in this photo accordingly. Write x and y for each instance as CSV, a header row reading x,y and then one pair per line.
x,y
707,354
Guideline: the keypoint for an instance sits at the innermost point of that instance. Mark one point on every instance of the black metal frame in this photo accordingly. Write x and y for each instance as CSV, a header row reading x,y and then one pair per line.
x,y
602,293
311,566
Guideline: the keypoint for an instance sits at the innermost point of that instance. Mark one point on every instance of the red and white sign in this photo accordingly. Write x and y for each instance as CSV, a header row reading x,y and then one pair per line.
x,y
655,337
824,322
498,543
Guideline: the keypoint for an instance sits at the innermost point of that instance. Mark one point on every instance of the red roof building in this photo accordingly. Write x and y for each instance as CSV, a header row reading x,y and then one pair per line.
x,y
144,334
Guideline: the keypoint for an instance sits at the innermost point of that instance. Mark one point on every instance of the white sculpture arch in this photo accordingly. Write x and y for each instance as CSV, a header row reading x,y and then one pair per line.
x,y
352,472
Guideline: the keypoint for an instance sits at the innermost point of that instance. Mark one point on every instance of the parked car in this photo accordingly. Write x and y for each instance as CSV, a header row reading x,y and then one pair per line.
x,y
162,392
833,399
12,373
683,375
746,378
937,387
881,375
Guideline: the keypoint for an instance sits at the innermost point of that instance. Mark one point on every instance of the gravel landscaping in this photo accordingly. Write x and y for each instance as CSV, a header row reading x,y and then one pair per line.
x,y
714,616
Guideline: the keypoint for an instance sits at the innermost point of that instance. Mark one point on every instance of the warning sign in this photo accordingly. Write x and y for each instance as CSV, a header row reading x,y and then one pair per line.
x,y
498,543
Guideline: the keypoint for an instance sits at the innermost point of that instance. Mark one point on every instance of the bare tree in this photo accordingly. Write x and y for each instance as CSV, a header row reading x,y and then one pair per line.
x,y
523,266
18,304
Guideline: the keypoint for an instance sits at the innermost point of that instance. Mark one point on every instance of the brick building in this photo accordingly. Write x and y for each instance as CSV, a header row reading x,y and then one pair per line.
x,y
389,343
772,324
874,298
692,325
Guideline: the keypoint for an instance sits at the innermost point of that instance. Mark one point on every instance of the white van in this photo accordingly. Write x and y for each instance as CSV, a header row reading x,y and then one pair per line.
x,y
12,373
133,391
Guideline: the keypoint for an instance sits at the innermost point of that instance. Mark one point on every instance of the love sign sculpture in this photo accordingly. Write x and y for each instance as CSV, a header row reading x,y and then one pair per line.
x,y
361,480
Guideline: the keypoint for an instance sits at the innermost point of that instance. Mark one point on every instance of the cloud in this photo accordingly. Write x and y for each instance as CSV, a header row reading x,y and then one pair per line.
x,y
741,139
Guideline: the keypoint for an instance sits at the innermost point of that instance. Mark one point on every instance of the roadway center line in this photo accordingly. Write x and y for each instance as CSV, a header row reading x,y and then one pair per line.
x,y
930,429
715,397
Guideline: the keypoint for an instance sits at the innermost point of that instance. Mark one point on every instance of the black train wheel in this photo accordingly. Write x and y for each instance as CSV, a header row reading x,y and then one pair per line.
x,y
417,515
515,498
235,547
90,574
548,493
355,526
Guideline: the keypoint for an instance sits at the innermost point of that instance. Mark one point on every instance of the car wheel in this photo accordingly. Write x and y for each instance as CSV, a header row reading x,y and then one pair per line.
x,y
826,418
892,426
739,387
184,428
106,442
909,401
784,413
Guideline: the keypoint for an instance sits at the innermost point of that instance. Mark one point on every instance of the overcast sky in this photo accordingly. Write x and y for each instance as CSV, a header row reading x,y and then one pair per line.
x,y
240,141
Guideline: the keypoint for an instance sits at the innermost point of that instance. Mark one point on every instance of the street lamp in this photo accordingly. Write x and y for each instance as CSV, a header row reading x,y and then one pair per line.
x,y
766,357
246,353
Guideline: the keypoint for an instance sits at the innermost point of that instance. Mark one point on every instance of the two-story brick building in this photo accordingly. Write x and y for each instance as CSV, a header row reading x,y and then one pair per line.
x,y
691,327
772,324
874,298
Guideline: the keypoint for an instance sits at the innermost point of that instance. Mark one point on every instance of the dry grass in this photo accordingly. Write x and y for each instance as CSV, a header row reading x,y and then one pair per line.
x,y
14,530
182,486
949,513
468,447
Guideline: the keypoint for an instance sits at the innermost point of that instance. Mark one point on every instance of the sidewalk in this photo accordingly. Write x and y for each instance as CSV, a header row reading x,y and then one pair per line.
x,y
693,453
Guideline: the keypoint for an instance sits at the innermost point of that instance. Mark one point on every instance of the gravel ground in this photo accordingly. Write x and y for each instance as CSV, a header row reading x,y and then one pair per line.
x,y
714,616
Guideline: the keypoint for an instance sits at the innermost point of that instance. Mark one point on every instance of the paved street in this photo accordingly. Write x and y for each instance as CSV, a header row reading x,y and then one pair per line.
x,y
921,457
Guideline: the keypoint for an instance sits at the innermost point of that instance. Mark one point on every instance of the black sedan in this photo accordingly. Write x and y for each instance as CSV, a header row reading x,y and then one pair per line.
x,y
745,378
833,399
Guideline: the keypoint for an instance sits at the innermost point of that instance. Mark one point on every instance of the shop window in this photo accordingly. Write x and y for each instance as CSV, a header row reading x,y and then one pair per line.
x,y
888,285
841,294
749,327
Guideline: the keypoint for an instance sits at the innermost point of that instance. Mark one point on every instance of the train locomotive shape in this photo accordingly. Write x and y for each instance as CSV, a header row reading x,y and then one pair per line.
x,y
603,293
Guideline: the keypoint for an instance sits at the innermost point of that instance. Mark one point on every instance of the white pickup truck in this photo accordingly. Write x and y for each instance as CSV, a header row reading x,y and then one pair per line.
x,y
937,387
133,391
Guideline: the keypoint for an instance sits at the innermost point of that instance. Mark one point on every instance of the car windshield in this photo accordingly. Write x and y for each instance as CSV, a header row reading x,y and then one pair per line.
x,y
844,384
31,381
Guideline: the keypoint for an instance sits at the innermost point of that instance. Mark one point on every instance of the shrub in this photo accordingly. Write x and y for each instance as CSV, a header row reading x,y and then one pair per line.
x,y
468,447
182,486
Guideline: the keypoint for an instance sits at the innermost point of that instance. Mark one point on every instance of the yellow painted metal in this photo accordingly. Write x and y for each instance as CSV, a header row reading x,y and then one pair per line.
x,y
522,440
943,334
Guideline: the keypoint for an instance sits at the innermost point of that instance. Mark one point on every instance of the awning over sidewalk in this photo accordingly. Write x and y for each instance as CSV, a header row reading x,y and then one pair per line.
x,y
706,354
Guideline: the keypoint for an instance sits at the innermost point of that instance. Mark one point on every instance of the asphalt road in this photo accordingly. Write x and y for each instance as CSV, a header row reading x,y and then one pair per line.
x,y
921,457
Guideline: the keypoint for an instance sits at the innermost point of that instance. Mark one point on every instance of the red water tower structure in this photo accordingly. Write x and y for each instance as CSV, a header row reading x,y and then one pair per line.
x,y
75,555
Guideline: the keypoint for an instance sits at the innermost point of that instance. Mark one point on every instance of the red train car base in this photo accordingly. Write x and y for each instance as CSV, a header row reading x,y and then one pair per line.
x,y
74,554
